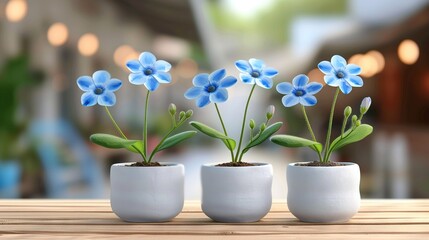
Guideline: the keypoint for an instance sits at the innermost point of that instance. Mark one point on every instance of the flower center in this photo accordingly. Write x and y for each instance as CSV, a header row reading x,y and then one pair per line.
x,y
148,71
255,74
98,90
340,74
299,92
211,88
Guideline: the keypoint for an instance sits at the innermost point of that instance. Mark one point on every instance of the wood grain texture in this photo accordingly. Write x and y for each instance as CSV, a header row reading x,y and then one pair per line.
x,y
93,219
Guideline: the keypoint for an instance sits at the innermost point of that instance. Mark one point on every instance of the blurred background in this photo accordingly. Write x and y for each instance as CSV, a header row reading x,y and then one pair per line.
x,y
46,44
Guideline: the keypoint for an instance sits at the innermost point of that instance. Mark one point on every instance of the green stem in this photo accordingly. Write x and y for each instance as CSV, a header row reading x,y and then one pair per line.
x,y
343,128
243,124
120,131
310,130
145,123
224,130
160,143
328,134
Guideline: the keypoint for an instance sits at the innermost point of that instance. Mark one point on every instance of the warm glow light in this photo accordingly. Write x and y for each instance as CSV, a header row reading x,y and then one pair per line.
x,y
58,34
187,68
88,44
368,62
315,75
16,10
379,58
408,51
122,54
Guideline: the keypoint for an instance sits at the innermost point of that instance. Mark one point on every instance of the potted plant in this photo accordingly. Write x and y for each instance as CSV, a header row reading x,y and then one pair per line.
x,y
145,191
235,191
324,191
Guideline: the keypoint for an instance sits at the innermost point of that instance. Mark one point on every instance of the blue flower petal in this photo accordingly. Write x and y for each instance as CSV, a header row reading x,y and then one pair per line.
x,y
345,87
193,92
243,66
257,64
221,95
151,84
137,78
332,80
300,80
326,67
290,100
88,99
114,84
162,77
355,81
313,88
227,82
338,62
308,100
265,82
269,72
201,80
107,99
134,66
246,78
217,75
85,83
162,65
147,59
101,77
203,101
353,69
284,88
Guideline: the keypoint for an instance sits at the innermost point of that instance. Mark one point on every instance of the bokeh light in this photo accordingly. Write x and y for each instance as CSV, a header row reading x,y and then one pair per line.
x,y
16,10
58,34
88,44
408,51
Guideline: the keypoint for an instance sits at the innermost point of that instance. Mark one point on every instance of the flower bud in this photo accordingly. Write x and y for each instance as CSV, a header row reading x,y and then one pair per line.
x,y
263,126
181,115
358,123
252,124
172,109
364,106
189,113
270,112
347,111
354,119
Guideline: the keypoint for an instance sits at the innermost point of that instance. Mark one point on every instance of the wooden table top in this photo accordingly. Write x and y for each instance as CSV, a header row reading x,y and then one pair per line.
x,y
93,219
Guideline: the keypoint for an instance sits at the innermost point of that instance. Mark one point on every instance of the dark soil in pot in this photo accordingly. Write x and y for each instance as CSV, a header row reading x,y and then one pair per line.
x,y
235,164
143,164
320,164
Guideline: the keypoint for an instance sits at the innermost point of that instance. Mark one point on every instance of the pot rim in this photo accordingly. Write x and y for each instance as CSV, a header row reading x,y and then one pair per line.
x,y
348,164
257,165
165,165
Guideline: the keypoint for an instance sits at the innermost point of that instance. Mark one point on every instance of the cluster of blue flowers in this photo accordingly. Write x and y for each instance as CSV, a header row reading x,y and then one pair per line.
x,y
212,88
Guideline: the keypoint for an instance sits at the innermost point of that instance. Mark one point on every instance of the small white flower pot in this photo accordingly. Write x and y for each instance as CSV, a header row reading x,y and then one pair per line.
x,y
236,194
323,194
147,194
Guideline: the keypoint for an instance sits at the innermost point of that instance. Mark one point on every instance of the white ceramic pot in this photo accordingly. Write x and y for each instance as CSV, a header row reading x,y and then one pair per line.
x,y
323,194
147,194
236,194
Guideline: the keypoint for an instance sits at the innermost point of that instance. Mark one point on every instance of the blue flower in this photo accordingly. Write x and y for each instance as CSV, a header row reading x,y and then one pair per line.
x,y
255,71
98,89
300,91
210,88
340,74
149,71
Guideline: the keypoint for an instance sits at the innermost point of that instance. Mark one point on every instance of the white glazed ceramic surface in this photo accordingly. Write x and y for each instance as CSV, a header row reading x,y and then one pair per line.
x,y
323,194
236,194
147,194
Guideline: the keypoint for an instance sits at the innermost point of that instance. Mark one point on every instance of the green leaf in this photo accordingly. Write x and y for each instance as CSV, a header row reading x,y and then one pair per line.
x,y
351,136
176,139
293,142
270,130
110,141
229,142
136,147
